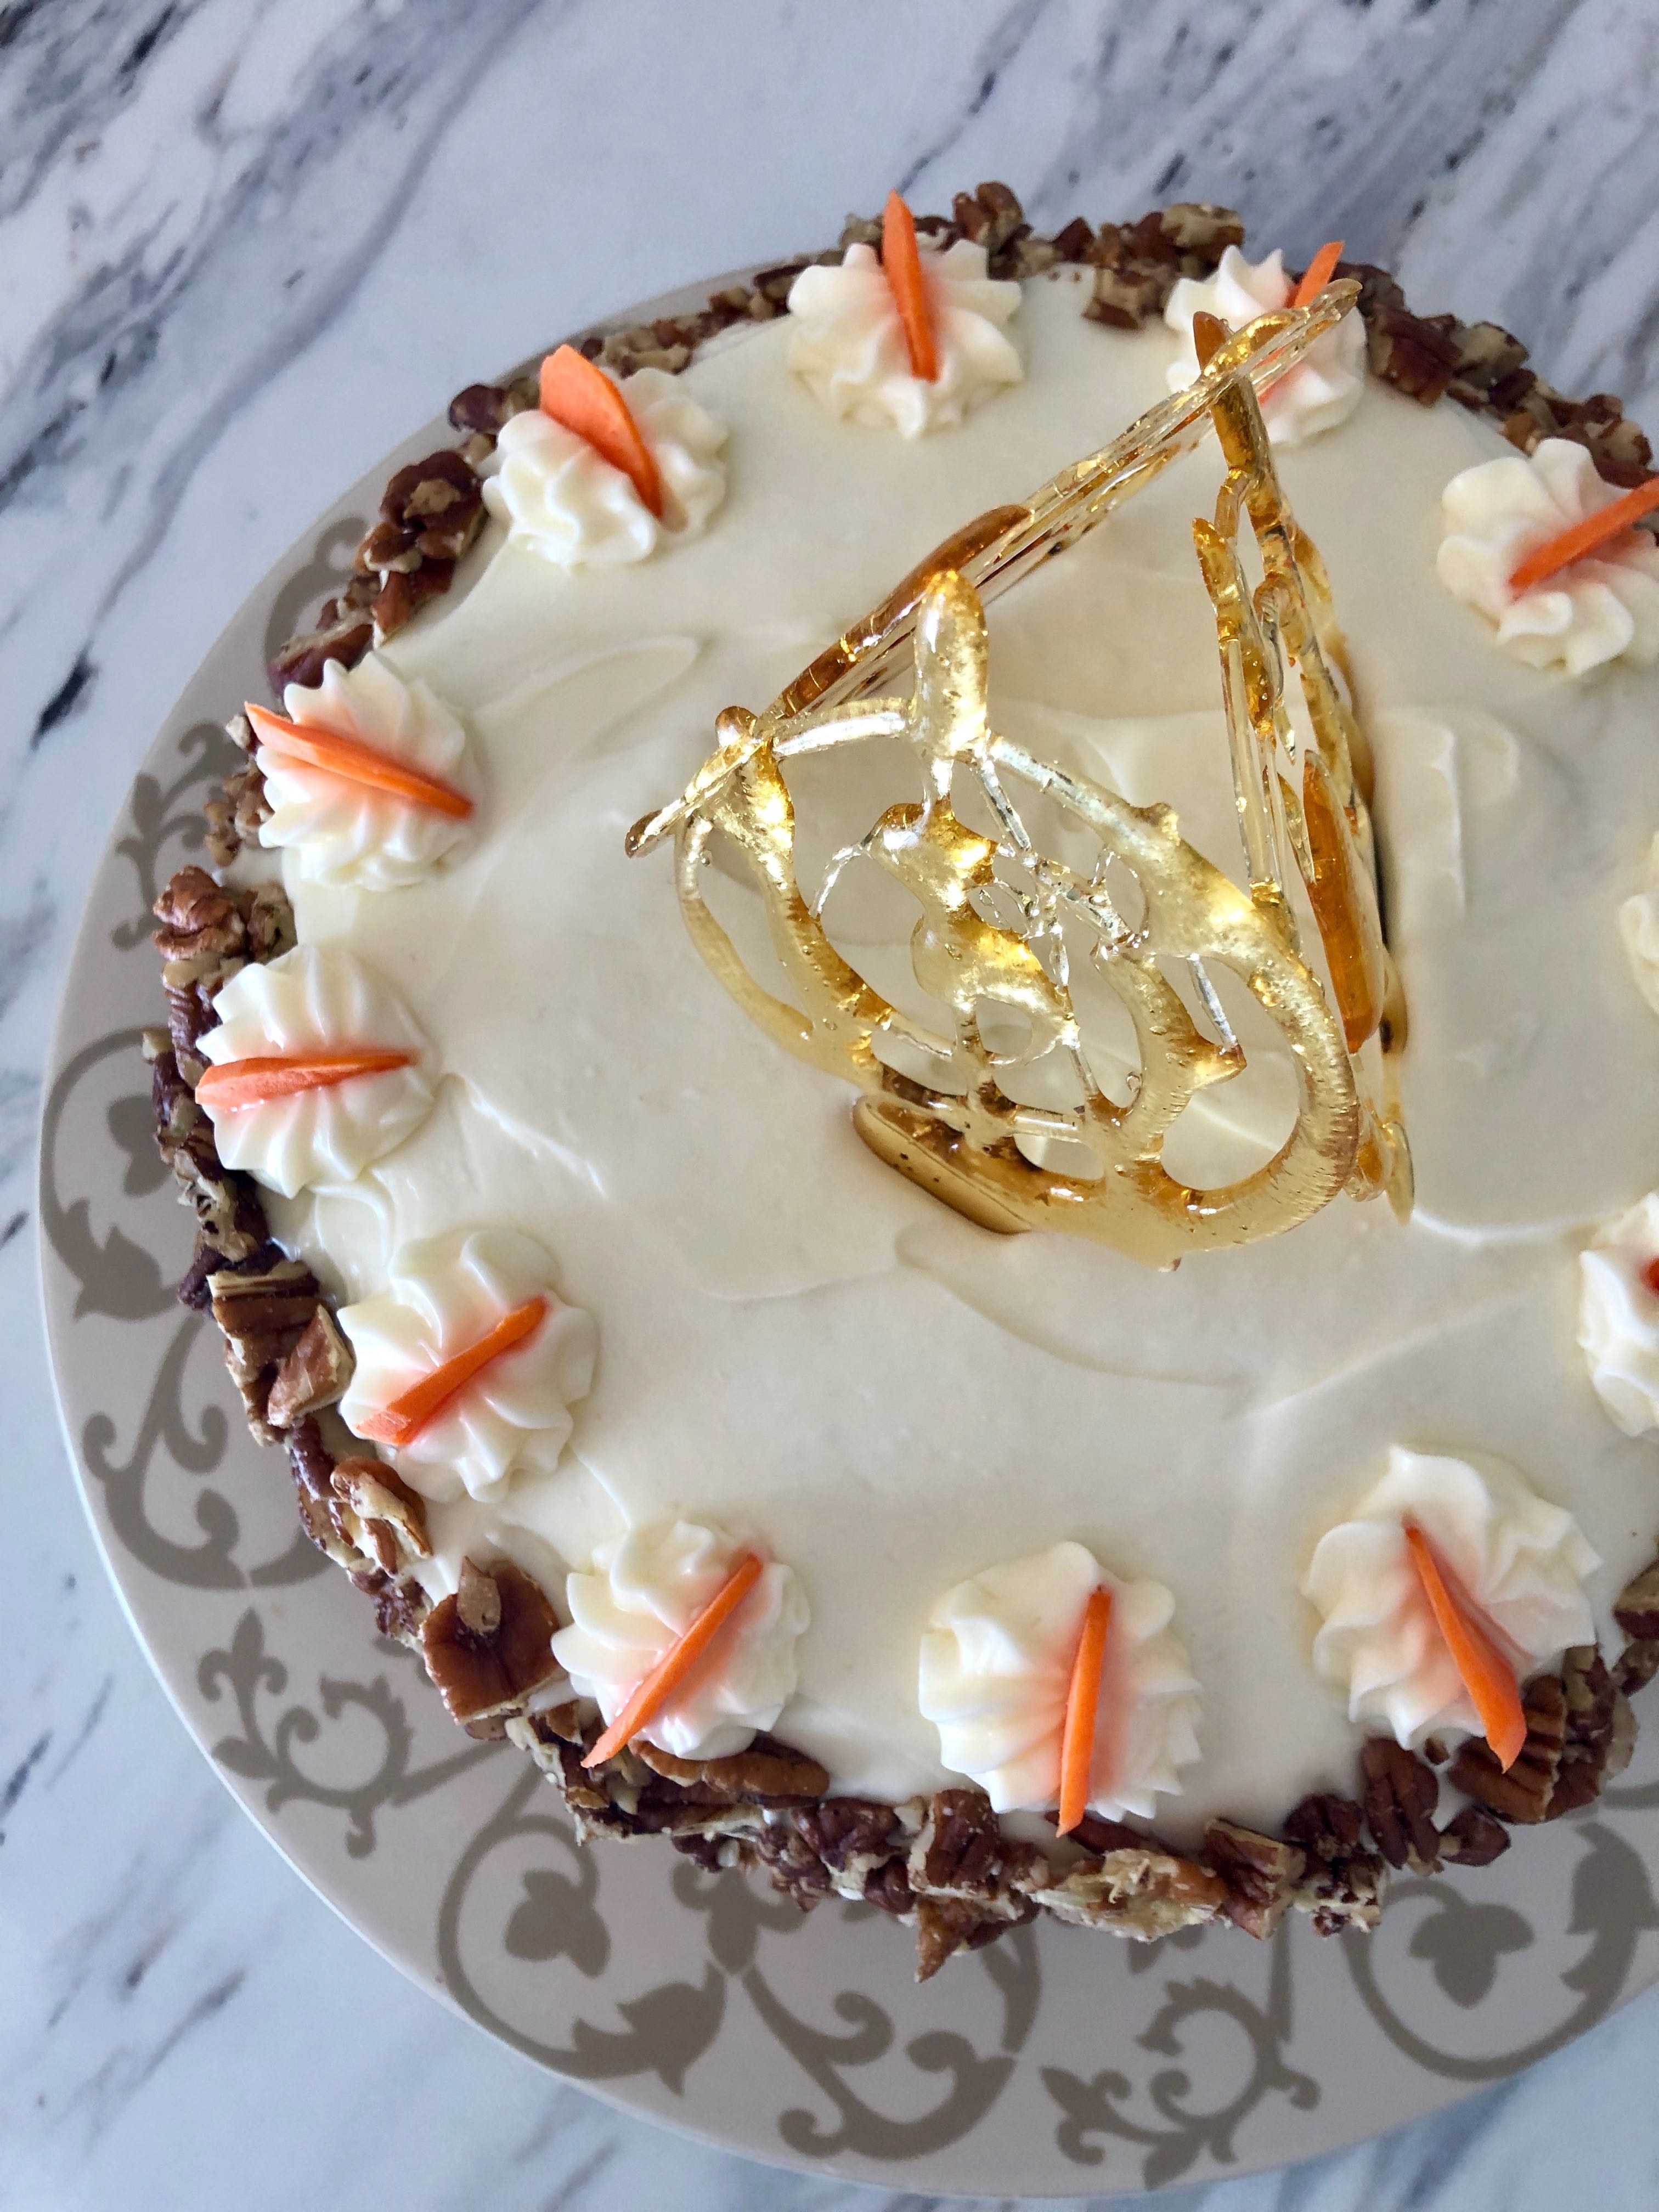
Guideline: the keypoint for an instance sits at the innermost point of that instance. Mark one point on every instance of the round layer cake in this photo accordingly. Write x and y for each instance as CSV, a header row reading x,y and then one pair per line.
x,y
739,1333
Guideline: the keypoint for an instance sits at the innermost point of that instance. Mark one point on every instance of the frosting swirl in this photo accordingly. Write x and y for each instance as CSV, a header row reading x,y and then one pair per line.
x,y
642,1592
995,1670
848,349
561,499
1522,1560
1326,385
316,999
1619,1315
447,1293
1604,607
347,834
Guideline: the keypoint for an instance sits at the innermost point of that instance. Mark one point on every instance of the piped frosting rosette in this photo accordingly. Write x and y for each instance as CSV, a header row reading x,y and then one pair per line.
x,y
341,829
995,1674
643,1592
848,346
449,1300
1326,385
1519,1560
563,500
1602,607
1619,1315
313,1006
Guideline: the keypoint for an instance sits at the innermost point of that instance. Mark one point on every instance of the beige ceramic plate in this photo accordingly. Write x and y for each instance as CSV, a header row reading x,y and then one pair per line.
x,y
1055,2063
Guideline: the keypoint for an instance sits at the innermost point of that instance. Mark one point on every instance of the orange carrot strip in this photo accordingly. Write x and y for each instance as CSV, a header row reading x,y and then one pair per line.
x,y
402,1421
901,262
577,394
1318,273
354,762
1486,1675
678,1661
236,1083
1573,544
1077,1742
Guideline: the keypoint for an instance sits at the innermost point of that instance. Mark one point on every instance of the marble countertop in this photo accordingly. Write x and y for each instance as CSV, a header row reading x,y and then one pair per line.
x,y
244,247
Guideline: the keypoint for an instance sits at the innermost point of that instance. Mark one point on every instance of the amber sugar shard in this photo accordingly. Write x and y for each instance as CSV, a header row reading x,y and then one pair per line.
x,y
1004,920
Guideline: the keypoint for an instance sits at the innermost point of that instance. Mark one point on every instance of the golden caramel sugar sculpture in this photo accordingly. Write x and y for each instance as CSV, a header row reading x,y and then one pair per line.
x,y
1003,919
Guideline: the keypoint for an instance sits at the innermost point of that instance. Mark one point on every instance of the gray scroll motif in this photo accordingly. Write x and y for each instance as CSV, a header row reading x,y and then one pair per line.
x,y
975,2079
259,1755
117,1277
157,814
1613,1904
328,568
667,2028
1179,2134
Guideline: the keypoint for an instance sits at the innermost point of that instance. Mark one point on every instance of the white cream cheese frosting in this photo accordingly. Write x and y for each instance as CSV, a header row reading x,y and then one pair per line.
x,y
1638,931
347,834
317,999
1604,607
565,503
1520,1560
848,346
1619,1315
642,1591
1324,387
801,1346
995,1669
444,1295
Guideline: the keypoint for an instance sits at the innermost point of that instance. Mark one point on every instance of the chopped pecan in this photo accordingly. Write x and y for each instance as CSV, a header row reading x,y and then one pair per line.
x,y
1636,1608
767,1773
391,1517
401,596
1075,242
789,1856
992,218
1137,264
489,1655
269,922
961,1852
433,507
313,1374
1139,1889
1523,1794
1342,1885
234,815
1401,1791
482,408
345,636
400,1607
1488,359
945,1925
1261,1875
1599,1732
1472,1837
197,916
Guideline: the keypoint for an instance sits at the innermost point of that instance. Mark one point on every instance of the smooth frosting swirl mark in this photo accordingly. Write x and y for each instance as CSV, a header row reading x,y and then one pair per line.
x,y
849,347
1638,931
1520,1559
1326,385
995,1668
1603,607
1619,1315
563,500
344,833
514,1416
316,1000
642,1591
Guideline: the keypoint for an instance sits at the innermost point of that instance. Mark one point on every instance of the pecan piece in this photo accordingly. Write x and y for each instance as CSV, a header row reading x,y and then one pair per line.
x,y
196,916
962,1852
487,1647
1342,1885
945,1925
345,637
313,1374
1472,1837
390,1515
1599,1735
766,1774
1636,1608
403,595
1139,1889
1523,1794
1401,1791
1260,1874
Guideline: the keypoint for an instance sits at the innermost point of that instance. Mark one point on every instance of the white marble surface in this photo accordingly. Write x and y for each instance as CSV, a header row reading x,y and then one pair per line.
x,y
243,247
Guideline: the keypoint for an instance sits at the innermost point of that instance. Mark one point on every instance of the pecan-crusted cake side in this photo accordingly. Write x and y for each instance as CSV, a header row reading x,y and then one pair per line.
x,y
943,1863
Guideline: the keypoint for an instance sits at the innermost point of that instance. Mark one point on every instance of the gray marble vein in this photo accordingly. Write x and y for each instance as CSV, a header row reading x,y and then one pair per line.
x,y
244,246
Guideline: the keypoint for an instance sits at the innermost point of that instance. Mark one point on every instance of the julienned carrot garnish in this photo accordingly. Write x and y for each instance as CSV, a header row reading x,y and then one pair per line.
x,y
1318,273
901,262
578,394
1486,1675
402,1421
1573,544
353,762
1077,1741
678,1661
255,1081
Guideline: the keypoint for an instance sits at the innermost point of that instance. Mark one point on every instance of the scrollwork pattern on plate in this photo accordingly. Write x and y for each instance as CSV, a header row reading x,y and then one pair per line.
x,y
1094,2107
158,815
247,1669
1613,1903
118,1276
